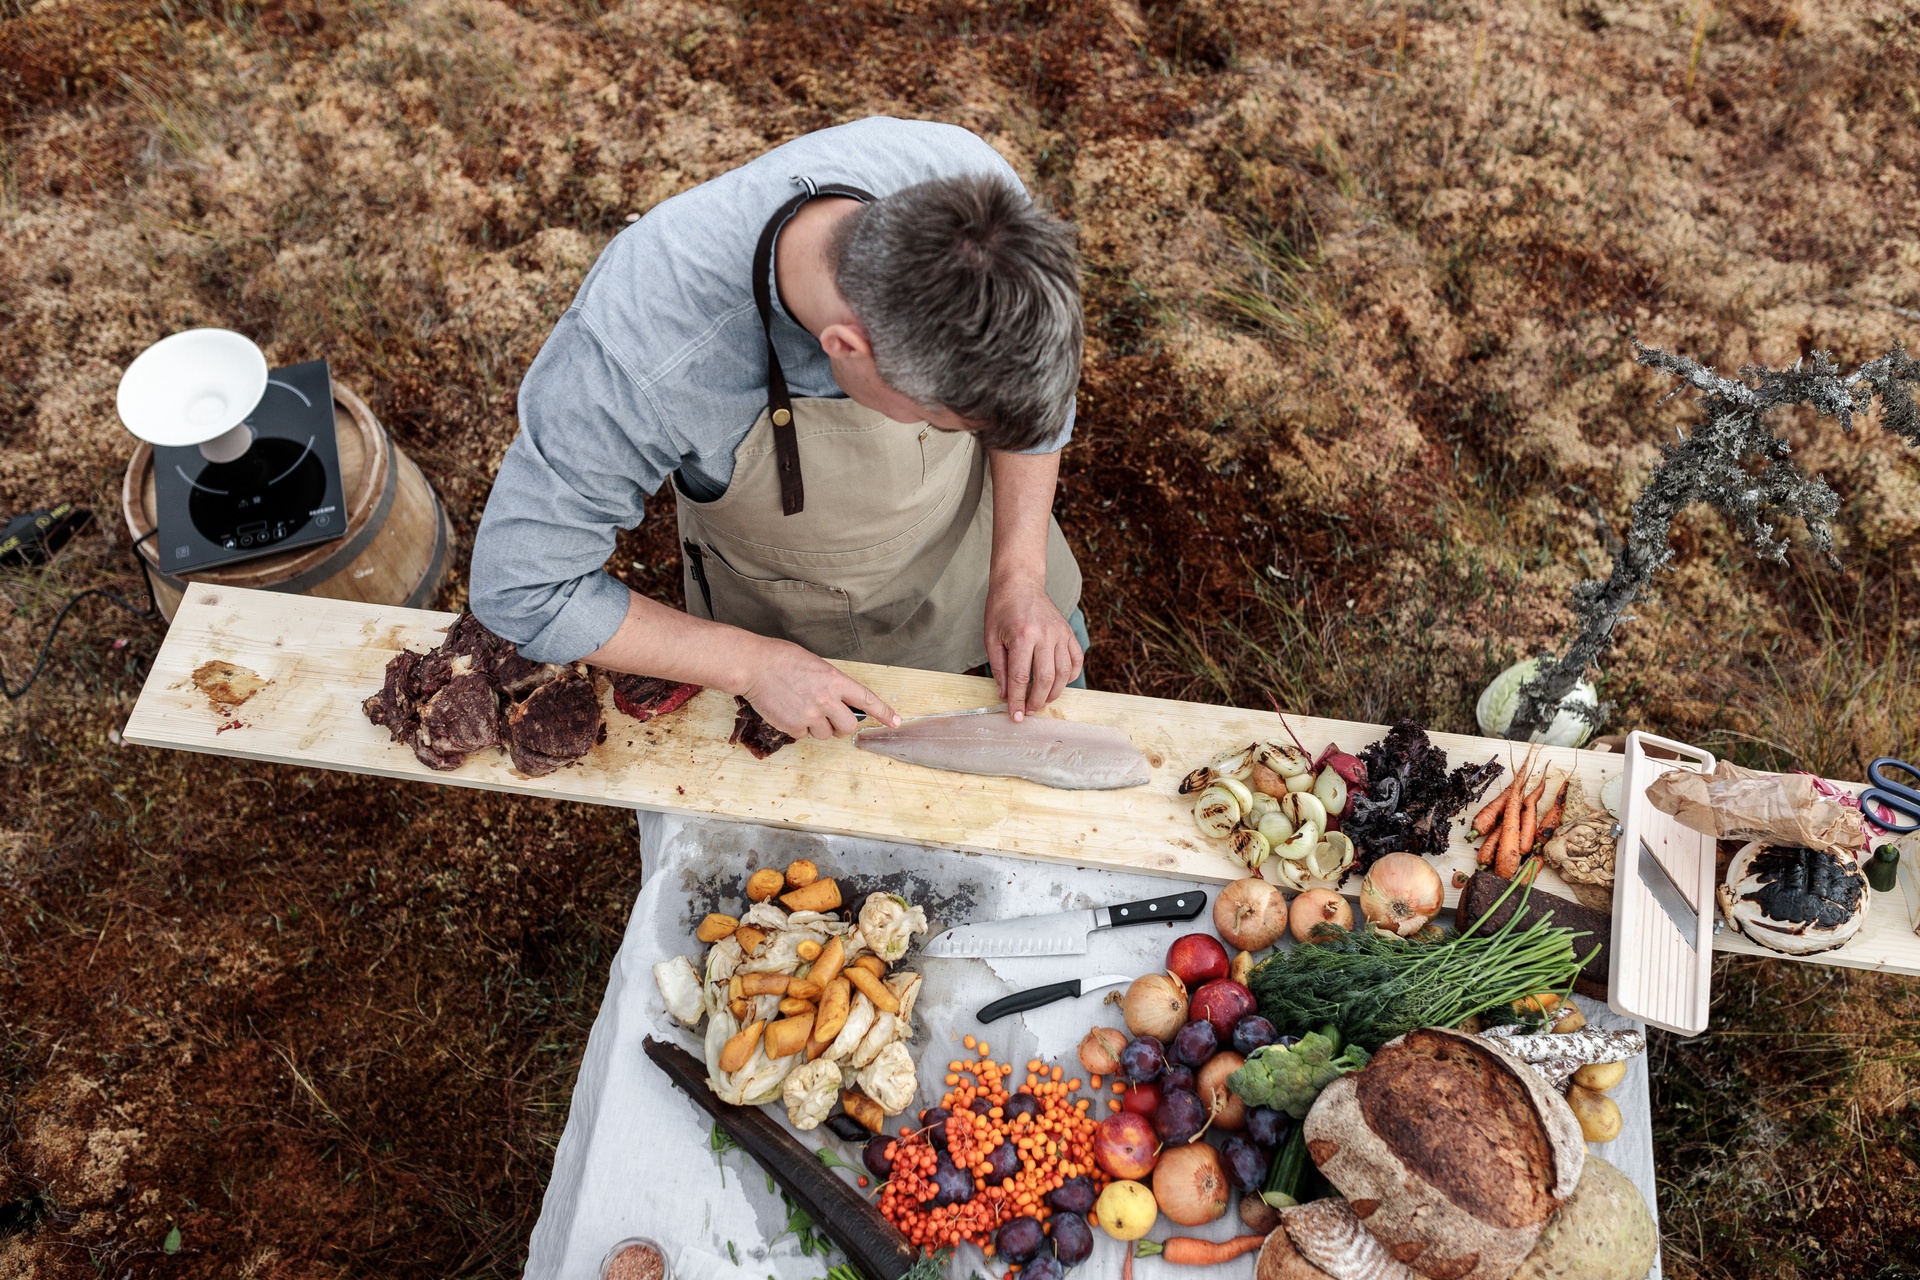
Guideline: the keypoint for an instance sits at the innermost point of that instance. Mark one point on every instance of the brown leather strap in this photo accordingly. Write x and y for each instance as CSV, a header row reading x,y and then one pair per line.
x,y
786,443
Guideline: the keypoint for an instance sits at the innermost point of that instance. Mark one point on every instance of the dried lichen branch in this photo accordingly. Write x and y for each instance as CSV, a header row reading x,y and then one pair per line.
x,y
1734,461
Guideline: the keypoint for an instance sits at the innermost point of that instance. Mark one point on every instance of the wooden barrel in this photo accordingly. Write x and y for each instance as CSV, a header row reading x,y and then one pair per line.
x,y
395,549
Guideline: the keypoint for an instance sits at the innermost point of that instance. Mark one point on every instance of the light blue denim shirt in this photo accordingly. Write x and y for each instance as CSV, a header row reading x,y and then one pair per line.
x,y
660,366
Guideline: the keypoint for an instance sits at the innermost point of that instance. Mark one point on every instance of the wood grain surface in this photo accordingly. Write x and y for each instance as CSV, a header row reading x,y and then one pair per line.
x,y
307,663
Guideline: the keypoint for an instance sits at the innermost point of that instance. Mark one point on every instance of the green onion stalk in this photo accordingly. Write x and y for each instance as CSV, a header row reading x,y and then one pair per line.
x,y
1375,987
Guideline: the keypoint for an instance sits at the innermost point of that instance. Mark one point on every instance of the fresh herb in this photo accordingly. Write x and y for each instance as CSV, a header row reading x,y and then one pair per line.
x,y
832,1161
1374,987
719,1141
1410,798
801,1227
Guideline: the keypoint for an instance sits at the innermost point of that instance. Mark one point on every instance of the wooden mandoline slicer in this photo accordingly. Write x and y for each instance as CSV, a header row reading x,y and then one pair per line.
x,y
1663,899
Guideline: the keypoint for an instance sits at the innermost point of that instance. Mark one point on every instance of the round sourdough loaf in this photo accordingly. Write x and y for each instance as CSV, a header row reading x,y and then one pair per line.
x,y
1328,1234
1279,1260
1452,1152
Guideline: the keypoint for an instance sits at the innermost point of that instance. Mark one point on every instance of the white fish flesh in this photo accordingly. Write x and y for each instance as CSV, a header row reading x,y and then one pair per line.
x,y
1053,753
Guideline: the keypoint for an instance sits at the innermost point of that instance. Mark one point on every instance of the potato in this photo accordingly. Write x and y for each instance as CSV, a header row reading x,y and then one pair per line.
x,y
1569,1021
716,927
832,957
808,949
740,1048
804,988
1240,971
789,1035
764,883
864,1109
821,895
736,987
835,1001
873,989
794,1006
1599,1115
801,873
1600,1076
763,984
872,964
738,1007
751,939
817,1047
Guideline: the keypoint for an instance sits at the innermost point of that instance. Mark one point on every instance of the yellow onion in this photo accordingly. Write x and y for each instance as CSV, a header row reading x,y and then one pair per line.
x,y
1275,827
1250,848
1302,808
1100,1050
1283,758
1400,893
1238,790
1156,1006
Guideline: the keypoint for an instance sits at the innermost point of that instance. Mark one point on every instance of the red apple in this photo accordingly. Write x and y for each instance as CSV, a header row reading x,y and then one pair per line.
x,y
1197,958
1222,1002
1125,1145
1140,1099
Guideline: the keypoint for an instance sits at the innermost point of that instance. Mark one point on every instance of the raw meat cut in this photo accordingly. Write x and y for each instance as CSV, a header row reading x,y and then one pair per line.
x,y
644,697
751,731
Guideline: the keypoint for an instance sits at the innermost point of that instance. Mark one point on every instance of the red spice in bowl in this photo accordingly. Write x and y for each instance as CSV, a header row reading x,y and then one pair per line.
x,y
635,1259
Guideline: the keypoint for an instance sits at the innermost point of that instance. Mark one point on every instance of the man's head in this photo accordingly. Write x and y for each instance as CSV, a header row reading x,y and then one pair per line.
x,y
969,297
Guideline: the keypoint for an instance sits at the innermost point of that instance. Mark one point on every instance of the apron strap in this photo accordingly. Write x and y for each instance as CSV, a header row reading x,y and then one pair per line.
x,y
786,443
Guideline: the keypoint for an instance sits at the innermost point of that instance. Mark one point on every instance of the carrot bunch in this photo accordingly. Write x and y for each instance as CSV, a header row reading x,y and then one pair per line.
x,y
1520,818
1054,1144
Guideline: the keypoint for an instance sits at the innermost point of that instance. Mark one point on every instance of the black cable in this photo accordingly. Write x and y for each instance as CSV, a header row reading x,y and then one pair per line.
x,y
151,611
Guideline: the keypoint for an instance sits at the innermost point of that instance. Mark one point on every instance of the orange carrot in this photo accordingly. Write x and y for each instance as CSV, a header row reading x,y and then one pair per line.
x,y
1488,848
1530,816
1551,823
1186,1251
1483,821
1506,854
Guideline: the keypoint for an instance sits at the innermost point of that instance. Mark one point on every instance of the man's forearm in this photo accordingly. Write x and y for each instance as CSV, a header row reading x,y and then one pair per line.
x,y
657,640
1023,486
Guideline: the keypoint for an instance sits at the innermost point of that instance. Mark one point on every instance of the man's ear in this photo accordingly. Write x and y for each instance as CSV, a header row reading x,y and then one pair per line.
x,y
844,339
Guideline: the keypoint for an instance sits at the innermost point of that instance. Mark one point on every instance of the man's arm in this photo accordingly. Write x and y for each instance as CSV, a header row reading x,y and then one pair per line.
x,y
798,693
1032,651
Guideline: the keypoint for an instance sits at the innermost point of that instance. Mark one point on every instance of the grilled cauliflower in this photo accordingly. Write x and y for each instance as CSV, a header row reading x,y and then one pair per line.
x,y
888,1079
810,1092
888,923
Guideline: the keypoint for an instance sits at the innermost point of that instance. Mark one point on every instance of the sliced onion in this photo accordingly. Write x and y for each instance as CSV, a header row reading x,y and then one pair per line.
x,y
1216,812
1302,842
1275,827
1237,763
1199,780
1283,758
1250,848
1238,790
1303,807
1262,805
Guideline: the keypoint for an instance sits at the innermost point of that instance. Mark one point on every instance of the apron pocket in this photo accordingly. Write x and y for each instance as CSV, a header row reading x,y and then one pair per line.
x,y
815,617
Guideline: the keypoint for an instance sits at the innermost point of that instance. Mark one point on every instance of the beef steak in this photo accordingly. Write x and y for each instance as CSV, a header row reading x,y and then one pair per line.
x,y
751,731
556,723
644,697
464,716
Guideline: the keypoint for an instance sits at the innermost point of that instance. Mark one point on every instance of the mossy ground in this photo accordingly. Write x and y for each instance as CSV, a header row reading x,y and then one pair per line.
x,y
1361,281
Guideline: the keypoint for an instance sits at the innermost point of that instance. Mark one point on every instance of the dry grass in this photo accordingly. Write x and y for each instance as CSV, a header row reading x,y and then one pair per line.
x,y
1361,279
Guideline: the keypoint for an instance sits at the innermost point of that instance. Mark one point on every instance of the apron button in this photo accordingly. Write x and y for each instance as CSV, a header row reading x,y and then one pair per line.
x,y
781,417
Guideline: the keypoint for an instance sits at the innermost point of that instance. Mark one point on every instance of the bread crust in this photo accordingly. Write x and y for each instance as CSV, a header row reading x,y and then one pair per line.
x,y
1279,1260
1452,1152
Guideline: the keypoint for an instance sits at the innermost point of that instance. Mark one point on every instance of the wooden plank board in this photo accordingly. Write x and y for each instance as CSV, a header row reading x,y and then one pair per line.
x,y
315,660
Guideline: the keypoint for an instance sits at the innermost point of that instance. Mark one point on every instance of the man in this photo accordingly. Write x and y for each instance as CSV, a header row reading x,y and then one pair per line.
x,y
856,358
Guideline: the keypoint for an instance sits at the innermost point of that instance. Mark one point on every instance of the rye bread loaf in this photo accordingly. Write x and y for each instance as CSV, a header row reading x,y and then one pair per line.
x,y
1279,1260
1451,1151
1331,1236
1481,910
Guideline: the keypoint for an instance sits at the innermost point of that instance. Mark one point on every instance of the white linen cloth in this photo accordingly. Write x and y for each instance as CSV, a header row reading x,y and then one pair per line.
x,y
634,1159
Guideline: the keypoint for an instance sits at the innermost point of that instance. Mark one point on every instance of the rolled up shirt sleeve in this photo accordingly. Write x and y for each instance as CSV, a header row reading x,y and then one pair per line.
x,y
591,449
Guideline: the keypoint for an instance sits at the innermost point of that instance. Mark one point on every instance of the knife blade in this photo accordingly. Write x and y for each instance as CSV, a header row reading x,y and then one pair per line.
x,y
1058,933
1671,897
1034,997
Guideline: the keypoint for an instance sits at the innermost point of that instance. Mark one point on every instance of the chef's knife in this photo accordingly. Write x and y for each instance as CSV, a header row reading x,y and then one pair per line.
x,y
1062,933
1033,998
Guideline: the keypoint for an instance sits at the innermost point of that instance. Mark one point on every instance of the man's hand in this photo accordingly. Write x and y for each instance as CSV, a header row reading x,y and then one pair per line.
x,y
808,697
1030,647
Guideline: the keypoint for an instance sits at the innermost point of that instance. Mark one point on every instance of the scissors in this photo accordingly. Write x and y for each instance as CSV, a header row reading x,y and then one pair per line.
x,y
1892,797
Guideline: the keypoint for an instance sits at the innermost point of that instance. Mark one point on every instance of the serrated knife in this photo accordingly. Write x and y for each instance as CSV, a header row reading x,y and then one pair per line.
x,y
1060,933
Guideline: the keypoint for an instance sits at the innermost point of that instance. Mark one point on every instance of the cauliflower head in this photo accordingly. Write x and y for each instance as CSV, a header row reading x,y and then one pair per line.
x,y
888,1079
888,923
810,1092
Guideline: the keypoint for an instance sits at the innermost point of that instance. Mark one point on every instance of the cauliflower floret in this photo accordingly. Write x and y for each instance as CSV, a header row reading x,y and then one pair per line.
x,y
810,1092
888,1079
680,988
888,922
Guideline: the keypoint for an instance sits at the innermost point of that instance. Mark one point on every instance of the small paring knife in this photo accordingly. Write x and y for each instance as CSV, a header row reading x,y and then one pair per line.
x,y
1060,933
1034,997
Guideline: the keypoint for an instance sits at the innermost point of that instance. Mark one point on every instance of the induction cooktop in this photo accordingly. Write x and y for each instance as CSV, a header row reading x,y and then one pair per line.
x,y
283,492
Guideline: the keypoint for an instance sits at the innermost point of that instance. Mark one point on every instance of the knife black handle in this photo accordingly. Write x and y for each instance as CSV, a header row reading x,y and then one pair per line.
x,y
1180,906
1021,1001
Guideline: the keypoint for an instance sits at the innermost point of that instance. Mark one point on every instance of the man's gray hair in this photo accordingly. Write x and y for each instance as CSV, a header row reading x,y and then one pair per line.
x,y
970,295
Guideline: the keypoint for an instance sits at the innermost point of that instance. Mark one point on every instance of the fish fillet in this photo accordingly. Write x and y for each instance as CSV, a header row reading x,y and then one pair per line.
x,y
1053,753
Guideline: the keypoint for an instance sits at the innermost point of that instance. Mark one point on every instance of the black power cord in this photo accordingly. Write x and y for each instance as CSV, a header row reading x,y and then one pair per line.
x,y
151,611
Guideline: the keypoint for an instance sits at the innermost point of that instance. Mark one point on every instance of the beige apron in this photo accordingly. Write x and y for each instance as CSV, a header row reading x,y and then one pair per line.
x,y
885,560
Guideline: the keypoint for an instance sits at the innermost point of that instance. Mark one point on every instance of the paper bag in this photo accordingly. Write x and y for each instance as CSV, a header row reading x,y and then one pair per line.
x,y
1733,803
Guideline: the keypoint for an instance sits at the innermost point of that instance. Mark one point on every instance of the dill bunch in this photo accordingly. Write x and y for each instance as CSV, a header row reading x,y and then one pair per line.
x,y
1375,986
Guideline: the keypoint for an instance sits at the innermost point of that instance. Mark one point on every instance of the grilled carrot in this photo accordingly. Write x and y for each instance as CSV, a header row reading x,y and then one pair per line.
x,y
1188,1252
